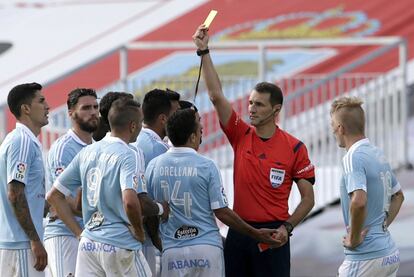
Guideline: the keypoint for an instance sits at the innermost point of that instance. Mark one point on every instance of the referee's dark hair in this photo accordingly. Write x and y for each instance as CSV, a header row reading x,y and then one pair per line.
x,y
74,95
180,126
123,111
21,94
276,95
155,102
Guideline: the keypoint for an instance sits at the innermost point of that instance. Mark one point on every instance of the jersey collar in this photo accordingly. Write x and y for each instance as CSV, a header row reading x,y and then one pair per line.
x,y
29,133
181,150
152,134
75,137
112,139
358,144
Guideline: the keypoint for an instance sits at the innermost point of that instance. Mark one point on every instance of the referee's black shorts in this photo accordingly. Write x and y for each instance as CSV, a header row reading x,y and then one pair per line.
x,y
243,258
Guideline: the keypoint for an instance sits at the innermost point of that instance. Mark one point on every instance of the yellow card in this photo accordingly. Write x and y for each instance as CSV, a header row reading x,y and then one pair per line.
x,y
210,18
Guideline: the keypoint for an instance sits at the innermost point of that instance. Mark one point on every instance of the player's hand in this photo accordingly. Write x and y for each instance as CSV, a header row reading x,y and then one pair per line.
x,y
353,242
267,236
166,213
201,37
39,254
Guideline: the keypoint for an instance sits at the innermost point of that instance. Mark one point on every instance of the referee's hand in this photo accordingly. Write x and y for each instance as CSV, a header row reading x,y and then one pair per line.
x,y
267,236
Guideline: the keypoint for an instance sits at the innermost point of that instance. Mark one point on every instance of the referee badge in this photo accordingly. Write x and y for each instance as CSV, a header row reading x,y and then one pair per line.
x,y
276,177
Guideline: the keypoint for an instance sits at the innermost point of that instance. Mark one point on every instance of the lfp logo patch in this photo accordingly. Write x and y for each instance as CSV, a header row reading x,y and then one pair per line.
x,y
21,168
135,182
21,171
58,171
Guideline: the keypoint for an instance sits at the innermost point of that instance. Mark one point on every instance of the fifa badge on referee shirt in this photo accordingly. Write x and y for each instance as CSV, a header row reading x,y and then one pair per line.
x,y
276,177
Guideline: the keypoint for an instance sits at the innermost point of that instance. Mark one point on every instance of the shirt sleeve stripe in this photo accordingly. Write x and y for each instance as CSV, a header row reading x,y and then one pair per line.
x,y
62,188
24,146
396,188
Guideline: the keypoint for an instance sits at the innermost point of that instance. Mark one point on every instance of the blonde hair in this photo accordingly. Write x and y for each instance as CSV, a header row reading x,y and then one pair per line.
x,y
350,114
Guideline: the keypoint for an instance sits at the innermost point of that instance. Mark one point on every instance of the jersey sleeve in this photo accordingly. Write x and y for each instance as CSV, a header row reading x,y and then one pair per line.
x,y
218,198
355,174
130,177
395,185
70,180
19,157
58,160
302,168
149,173
235,129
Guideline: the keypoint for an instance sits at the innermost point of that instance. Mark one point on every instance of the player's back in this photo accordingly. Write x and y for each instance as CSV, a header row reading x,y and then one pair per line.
x,y
105,166
381,183
192,185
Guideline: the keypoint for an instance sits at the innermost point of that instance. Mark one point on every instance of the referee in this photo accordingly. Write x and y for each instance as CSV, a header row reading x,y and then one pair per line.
x,y
266,162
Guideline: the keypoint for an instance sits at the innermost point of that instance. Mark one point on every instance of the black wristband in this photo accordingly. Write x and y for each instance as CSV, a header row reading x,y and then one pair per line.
x,y
289,227
202,52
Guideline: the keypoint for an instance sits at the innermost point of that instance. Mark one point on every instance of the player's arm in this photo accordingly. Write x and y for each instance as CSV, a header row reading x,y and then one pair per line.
x,y
75,203
132,208
21,209
396,201
215,92
64,211
231,219
152,208
358,212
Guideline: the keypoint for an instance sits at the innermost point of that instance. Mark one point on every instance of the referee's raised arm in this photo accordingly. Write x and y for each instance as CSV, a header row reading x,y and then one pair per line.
x,y
215,92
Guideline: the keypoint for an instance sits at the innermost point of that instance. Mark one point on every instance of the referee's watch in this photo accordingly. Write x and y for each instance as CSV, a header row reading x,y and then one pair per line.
x,y
289,227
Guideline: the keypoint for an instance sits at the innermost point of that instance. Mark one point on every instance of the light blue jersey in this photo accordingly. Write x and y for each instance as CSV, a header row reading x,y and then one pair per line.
x,y
365,168
61,153
21,160
151,144
192,185
105,169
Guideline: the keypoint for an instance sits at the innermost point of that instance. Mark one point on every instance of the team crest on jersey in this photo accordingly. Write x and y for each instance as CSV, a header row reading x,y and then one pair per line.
x,y
276,177
186,232
58,171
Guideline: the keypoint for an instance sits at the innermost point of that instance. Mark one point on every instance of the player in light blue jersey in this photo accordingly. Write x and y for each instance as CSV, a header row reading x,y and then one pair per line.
x,y
22,190
191,183
111,241
104,106
157,106
60,243
371,197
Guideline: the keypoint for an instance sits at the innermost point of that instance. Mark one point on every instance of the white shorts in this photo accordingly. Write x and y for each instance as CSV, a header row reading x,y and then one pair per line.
x,y
101,259
195,261
380,267
152,255
61,256
18,263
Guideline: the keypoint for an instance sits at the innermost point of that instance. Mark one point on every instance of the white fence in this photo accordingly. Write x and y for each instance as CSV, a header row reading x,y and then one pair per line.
x,y
306,107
